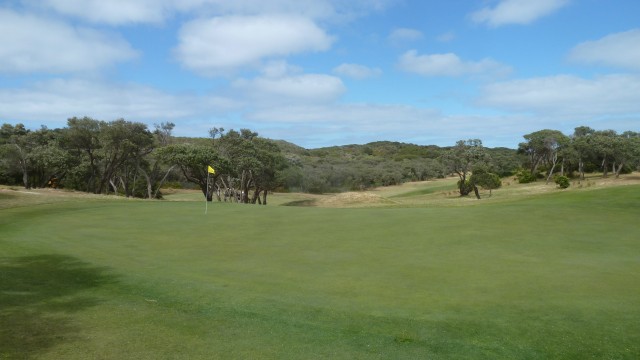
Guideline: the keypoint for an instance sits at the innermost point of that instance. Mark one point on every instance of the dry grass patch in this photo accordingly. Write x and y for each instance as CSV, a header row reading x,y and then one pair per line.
x,y
13,196
354,199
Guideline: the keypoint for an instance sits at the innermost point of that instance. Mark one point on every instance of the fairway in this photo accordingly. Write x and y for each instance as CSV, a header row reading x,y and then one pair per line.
x,y
555,276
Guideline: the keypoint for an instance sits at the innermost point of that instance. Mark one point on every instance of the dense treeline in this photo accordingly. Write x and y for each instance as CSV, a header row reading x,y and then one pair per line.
x,y
126,158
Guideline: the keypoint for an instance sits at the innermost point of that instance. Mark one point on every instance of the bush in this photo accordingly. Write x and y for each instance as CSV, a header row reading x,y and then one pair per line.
x,y
466,188
525,177
562,181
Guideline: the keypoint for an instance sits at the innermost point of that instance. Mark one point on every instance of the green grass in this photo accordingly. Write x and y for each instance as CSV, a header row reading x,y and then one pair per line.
x,y
551,276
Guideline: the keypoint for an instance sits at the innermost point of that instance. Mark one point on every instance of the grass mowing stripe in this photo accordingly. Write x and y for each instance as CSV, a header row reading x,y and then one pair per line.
x,y
513,280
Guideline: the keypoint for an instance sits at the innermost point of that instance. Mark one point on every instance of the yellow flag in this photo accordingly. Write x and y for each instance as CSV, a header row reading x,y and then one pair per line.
x,y
210,170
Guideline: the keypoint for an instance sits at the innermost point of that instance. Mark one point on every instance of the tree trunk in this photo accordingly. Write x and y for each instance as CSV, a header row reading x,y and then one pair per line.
x,y
581,168
256,196
23,166
127,190
148,180
619,169
553,167
475,190
113,186
464,191
264,197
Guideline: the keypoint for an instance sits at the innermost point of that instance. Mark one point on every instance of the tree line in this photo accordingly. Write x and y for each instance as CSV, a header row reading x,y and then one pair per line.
x,y
129,159
126,158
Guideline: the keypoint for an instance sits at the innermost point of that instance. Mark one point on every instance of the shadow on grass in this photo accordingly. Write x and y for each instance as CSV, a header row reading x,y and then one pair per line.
x,y
38,294
306,202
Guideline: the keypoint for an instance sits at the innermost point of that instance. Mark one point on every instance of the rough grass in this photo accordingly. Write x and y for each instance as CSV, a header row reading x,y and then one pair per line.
x,y
553,275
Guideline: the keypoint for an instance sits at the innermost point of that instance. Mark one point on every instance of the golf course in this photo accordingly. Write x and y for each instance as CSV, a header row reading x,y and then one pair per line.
x,y
403,272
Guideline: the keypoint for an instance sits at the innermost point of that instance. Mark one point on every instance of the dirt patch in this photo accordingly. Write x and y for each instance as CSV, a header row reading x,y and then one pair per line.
x,y
351,199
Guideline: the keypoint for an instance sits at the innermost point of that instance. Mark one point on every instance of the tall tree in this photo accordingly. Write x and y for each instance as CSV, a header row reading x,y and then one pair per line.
x,y
544,147
162,132
193,161
152,166
16,155
603,145
82,139
626,148
463,157
582,143
125,144
484,179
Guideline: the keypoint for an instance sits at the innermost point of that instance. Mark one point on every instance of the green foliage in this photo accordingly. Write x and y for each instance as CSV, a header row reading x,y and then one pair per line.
x,y
464,186
484,179
525,176
562,181
124,157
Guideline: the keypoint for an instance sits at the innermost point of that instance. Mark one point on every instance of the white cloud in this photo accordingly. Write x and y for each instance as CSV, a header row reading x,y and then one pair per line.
x,y
221,44
287,89
123,12
517,11
58,99
30,43
279,68
567,95
448,64
617,50
114,12
357,71
404,35
327,124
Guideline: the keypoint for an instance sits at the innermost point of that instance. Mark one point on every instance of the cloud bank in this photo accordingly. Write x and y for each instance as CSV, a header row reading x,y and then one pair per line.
x,y
221,44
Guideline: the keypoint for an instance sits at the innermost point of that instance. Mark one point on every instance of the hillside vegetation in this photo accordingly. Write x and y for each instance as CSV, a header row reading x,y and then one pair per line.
x,y
125,158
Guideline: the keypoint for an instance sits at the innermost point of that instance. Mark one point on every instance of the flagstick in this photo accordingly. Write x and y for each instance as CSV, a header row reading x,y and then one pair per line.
x,y
206,197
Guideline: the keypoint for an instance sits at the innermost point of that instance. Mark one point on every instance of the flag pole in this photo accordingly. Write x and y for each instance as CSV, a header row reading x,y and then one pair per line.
x,y
210,170
206,196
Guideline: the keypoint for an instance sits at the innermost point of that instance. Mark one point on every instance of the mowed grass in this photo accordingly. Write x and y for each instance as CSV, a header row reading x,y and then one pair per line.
x,y
552,276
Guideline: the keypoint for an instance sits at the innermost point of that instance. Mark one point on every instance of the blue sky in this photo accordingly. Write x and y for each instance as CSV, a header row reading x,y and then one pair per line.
x,y
326,72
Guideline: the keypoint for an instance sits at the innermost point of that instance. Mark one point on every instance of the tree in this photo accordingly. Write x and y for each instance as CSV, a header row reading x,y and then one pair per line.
x,y
544,146
462,157
125,144
162,132
626,148
47,160
82,140
152,167
603,145
255,165
16,156
582,143
268,175
193,161
485,179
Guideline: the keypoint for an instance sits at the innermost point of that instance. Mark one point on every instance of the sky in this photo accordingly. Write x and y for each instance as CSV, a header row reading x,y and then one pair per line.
x,y
326,72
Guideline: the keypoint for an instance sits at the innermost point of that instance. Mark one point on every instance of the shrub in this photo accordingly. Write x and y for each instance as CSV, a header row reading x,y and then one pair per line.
x,y
562,181
524,177
466,188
